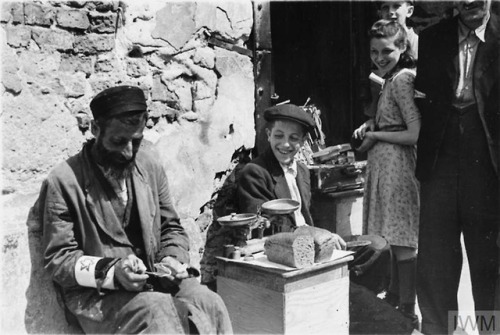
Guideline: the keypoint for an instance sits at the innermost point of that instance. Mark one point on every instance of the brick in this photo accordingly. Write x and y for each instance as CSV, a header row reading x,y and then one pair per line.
x,y
73,18
102,6
160,92
18,36
102,23
10,80
229,63
159,109
104,65
74,85
175,23
137,67
72,63
94,43
36,14
53,39
5,14
204,57
16,9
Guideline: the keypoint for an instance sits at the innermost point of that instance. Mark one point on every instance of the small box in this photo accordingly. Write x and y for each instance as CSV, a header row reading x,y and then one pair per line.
x,y
327,178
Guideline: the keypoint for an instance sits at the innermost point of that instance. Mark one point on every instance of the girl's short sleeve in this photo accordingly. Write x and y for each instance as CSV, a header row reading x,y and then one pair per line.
x,y
404,95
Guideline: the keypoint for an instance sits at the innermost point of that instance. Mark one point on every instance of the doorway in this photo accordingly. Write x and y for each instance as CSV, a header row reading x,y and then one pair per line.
x,y
320,52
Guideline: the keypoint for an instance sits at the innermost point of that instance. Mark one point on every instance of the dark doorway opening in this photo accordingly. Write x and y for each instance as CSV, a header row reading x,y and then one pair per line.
x,y
320,51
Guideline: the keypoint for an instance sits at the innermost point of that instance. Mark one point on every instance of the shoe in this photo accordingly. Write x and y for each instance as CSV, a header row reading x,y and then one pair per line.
x,y
408,310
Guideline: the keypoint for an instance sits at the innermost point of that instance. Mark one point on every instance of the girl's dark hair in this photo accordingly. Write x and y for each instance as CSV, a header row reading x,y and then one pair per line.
x,y
390,28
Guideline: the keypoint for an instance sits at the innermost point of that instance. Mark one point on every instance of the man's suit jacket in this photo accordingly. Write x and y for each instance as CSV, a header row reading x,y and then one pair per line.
x,y
437,75
79,219
263,179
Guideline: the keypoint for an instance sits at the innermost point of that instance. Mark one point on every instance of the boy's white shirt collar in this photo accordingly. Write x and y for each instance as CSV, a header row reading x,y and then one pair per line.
x,y
292,166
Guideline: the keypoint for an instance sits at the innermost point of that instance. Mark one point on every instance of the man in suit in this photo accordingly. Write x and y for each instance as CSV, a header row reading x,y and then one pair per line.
x,y
457,161
107,219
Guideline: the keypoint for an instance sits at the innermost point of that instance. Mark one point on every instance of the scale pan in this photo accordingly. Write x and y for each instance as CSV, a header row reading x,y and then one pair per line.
x,y
237,220
280,206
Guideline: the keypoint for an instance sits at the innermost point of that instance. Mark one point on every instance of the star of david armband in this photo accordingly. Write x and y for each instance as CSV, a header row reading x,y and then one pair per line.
x,y
98,272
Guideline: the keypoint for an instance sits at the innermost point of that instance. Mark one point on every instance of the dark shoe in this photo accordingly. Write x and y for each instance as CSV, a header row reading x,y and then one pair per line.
x,y
408,310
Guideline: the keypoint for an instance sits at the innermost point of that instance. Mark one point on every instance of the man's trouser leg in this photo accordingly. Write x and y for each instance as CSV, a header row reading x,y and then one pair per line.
x,y
132,313
207,310
439,261
478,207
461,195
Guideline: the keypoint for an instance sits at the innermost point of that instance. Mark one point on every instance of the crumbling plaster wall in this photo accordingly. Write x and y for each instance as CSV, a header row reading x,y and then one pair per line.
x,y
57,55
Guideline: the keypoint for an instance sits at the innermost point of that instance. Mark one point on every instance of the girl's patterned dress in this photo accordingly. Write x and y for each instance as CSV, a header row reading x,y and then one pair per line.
x,y
391,200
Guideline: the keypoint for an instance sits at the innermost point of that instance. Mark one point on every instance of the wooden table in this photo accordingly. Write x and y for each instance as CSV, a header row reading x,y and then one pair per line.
x,y
303,301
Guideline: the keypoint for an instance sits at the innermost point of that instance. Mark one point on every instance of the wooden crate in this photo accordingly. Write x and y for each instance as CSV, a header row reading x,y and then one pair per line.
x,y
270,301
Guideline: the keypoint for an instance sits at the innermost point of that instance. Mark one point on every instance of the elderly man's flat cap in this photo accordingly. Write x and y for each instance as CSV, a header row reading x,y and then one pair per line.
x,y
118,100
290,112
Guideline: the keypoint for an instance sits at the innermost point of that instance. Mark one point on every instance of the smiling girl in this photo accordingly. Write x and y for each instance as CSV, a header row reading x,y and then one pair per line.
x,y
391,201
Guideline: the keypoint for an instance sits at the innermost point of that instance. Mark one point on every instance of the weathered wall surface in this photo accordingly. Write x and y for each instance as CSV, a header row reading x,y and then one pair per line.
x,y
57,55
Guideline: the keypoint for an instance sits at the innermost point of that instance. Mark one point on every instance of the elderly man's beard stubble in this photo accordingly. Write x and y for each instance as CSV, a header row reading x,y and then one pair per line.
x,y
114,164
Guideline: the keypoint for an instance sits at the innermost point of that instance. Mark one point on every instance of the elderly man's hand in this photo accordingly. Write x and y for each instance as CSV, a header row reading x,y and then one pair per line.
x,y
179,270
129,272
339,242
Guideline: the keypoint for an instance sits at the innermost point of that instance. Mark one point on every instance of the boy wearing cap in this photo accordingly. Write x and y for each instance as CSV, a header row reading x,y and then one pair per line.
x,y
108,218
275,174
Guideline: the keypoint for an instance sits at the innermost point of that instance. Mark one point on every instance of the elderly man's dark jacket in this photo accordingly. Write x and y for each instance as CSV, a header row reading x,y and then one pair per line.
x,y
79,219
437,75
263,179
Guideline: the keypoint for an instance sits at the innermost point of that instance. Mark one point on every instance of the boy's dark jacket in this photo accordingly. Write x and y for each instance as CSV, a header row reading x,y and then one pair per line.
x,y
263,179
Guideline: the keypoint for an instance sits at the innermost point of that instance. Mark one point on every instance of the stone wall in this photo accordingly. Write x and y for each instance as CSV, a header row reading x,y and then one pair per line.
x,y
57,55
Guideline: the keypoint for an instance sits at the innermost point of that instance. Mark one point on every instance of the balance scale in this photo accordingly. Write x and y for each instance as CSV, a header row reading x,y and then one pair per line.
x,y
275,216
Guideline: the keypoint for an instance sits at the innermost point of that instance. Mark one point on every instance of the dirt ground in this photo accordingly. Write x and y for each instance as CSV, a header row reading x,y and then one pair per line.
x,y
385,320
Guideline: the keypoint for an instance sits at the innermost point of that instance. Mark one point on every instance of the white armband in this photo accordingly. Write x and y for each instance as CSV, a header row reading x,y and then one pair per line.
x,y
86,274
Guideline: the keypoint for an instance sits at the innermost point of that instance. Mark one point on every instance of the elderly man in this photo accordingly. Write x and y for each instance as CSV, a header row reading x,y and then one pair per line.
x,y
109,220
457,161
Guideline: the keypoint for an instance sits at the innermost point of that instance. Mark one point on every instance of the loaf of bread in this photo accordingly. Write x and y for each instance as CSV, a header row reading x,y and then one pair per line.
x,y
323,242
290,249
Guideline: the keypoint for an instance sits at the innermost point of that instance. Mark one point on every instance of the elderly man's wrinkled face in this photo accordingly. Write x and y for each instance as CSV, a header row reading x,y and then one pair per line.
x,y
473,12
117,145
286,138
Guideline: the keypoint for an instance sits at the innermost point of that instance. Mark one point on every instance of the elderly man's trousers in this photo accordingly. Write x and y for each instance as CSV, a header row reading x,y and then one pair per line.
x,y
194,309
